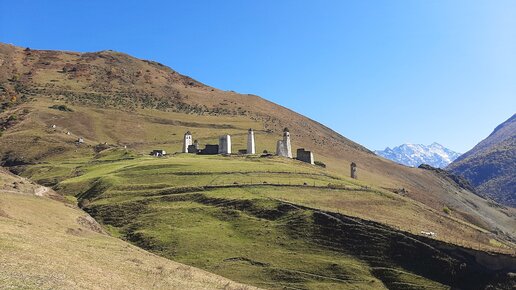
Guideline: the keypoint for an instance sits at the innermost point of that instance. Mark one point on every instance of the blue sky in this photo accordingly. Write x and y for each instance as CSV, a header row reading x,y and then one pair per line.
x,y
381,73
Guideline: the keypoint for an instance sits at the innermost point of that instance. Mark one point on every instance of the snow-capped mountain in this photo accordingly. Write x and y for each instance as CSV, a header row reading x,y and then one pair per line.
x,y
414,155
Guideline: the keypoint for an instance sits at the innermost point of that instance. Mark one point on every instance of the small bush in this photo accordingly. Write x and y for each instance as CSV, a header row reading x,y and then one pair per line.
x,y
320,163
446,210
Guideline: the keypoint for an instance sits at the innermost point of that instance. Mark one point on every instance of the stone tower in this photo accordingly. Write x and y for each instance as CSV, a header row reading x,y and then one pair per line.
x,y
187,141
283,148
354,170
251,148
225,144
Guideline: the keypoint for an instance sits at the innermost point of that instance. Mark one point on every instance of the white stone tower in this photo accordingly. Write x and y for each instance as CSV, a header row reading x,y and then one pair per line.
x,y
283,148
187,141
251,148
225,144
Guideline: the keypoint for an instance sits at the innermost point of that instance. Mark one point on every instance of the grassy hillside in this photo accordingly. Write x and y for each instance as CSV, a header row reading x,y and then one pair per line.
x,y
489,166
265,221
172,205
118,99
48,244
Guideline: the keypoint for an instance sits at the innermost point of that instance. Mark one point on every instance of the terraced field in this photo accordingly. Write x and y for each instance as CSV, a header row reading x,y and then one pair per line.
x,y
272,222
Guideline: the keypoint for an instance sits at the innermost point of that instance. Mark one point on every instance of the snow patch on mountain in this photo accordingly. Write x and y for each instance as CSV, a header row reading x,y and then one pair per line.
x,y
414,155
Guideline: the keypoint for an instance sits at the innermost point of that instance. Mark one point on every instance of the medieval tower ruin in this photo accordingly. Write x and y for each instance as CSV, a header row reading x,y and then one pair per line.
x,y
251,148
353,170
283,148
187,141
225,144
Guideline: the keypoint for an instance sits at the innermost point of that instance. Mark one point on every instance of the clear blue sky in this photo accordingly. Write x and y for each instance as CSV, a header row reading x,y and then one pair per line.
x,y
381,73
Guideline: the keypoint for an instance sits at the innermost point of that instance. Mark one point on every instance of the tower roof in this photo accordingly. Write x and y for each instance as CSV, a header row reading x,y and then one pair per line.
x,y
286,130
188,133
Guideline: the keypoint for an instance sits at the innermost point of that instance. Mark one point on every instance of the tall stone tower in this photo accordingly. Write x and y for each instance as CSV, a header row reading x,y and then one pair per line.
x,y
187,141
225,144
283,148
251,148
353,168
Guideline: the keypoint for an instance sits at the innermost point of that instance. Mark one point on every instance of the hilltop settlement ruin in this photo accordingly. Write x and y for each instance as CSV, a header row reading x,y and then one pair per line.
x,y
283,148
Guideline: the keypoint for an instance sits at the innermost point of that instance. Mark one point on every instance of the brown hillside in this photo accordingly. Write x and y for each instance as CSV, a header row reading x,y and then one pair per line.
x,y
122,100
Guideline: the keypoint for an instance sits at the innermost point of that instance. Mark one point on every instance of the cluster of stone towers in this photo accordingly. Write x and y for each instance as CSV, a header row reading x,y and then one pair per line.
x,y
224,146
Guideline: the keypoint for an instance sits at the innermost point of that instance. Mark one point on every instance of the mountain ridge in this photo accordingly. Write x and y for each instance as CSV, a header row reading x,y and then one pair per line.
x,y
414,155
489,166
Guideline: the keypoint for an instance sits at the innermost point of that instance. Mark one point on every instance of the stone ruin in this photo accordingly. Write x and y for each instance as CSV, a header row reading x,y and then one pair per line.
x,y
251,147
210,149
305,156
225,144
353,169
194,148
283,147
187,141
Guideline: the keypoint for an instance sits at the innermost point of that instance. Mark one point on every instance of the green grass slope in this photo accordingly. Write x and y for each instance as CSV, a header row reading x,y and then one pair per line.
x,y
275,222
46,243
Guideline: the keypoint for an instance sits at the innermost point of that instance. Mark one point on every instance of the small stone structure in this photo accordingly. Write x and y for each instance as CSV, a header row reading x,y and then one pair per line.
x,y
210,150
187,141
305,156
225,144
283,147
194,148
353,168
251,146
158,152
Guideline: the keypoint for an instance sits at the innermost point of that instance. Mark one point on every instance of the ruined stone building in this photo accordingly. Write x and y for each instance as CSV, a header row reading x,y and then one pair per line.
x,y
187,141
210,149
305,156
353,168
194,148
251,147
225,144
283,147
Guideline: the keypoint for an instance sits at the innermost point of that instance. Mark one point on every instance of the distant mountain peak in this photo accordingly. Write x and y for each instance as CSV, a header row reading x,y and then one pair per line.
x,y
414,155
